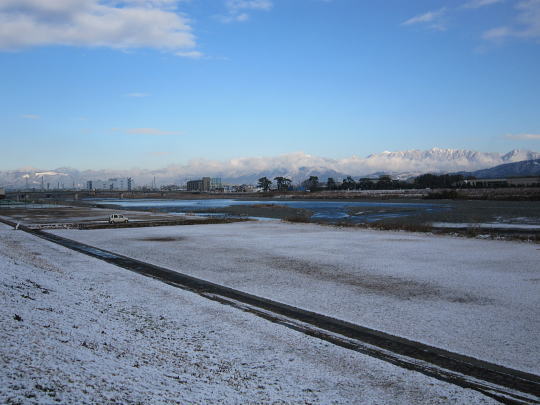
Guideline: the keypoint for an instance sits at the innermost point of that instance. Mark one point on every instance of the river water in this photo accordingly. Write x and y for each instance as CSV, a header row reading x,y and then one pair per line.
x,y
351,211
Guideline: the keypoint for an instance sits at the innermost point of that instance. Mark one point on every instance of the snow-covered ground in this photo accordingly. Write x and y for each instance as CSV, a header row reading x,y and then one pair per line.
x,y
76,330
494,225
476,297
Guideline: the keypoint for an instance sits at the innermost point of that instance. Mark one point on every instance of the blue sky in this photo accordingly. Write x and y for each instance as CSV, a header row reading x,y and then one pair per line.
x,y
145,83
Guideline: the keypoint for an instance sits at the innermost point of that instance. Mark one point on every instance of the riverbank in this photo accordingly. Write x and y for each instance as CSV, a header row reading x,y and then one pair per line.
x,y
478,218
498,219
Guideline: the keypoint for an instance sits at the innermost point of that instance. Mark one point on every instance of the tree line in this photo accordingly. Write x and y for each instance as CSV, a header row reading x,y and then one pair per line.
x,y
381,183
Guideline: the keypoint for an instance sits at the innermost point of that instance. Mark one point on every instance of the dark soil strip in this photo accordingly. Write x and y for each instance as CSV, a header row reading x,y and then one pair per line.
x,y
502,382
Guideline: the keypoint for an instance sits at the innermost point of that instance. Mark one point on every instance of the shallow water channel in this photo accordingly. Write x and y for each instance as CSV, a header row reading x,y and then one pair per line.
x,y
350,211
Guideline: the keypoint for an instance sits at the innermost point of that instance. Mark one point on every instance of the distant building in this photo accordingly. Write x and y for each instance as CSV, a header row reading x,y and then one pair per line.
x,y
194,185
205,184
215,184
114,184
171,187
2,193
243,188
120,184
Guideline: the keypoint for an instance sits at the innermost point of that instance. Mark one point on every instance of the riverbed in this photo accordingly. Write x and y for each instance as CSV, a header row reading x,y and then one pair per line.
x,y
315,210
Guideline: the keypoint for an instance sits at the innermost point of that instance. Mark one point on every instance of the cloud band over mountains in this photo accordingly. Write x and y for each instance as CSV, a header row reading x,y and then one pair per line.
x,y
297,166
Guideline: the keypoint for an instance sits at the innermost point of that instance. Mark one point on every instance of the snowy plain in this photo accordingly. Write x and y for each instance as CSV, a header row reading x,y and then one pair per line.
x,y
496,225
76,330
475,297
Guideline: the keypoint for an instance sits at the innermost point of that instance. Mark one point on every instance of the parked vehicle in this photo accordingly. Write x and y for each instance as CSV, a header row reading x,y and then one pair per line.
x,y
118,219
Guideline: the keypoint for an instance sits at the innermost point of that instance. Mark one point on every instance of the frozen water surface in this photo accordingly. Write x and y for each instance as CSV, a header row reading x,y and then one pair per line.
x,y
329,210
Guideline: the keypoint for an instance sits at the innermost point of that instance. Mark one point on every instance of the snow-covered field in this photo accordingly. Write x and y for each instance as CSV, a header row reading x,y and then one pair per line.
x,y
476,297
76,330
495,225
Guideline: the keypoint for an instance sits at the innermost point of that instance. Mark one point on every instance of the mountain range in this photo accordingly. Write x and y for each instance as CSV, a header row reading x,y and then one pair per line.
x,y
517,169
296,166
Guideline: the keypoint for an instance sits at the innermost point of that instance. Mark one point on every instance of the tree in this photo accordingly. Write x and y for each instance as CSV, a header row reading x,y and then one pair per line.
x,y
349,183
264,183
365,183
384,182
331,184
283,183
429,180
313,183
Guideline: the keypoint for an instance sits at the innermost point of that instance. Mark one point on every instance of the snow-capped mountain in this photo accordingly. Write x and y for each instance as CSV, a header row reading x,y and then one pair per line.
x,y
516,169
296,166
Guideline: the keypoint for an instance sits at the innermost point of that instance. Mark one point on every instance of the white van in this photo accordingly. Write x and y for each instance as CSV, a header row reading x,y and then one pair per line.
x,y
117,218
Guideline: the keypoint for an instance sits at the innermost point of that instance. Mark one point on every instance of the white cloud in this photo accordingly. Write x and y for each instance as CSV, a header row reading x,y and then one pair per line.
x,y
190,54
49,173
238,10
481,3
529,18
298,166
535,137
249,4
526,25
148,131
432,19
234,17
497,33
147,3
118,24
30,116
